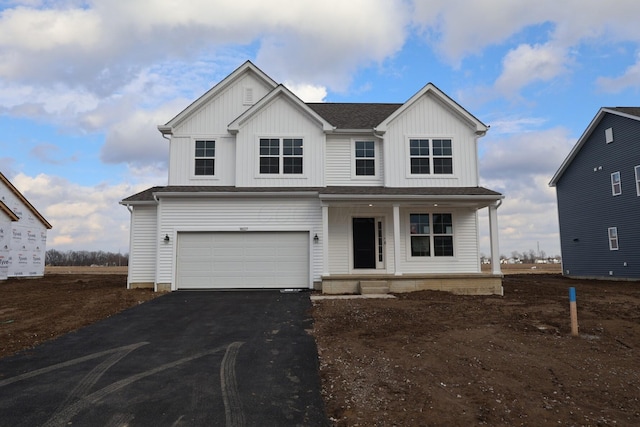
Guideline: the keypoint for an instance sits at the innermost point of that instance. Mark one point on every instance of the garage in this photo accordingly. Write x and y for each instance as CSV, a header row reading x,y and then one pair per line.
x,y
243,260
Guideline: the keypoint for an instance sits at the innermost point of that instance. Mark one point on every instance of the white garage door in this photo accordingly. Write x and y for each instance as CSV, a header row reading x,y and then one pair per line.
x,y
243,260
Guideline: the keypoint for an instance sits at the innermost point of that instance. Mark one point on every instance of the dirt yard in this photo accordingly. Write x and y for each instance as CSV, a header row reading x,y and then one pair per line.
x,y
427,358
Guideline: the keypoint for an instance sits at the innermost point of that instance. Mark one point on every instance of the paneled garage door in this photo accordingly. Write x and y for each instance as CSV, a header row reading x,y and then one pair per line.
x,y
246,260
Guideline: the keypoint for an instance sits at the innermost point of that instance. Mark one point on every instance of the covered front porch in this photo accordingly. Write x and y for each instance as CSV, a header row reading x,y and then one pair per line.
x,y
403,240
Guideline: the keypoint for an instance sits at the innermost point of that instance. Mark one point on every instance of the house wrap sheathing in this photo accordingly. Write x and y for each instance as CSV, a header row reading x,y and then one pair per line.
x,y
23,234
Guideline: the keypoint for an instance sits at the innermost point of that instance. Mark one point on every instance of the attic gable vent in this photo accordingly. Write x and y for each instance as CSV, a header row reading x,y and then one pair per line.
x,y
248,96
608,135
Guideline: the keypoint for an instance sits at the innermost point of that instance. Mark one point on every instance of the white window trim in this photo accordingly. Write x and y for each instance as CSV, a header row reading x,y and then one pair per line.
x,y
432,257
615,183
376,160
613,239
637,171
281,174
430,175
192,156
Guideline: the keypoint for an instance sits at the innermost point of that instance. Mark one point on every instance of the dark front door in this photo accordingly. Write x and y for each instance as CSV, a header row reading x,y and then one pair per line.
x,y
364,243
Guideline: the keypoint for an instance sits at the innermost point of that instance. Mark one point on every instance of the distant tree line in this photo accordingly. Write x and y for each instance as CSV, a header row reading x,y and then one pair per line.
x,y
85,258
527,257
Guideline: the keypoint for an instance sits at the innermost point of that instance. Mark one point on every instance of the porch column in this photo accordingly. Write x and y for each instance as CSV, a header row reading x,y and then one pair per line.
x,y
493,233
325,240
396,240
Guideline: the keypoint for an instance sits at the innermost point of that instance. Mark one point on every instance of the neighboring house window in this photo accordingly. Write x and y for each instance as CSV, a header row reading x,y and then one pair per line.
x,y
426,152
365,158
613,238
616,185
637,169
278,155
205,158
431,234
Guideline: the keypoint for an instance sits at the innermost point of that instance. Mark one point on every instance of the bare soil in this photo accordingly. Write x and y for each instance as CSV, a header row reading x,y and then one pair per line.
x,y
422,359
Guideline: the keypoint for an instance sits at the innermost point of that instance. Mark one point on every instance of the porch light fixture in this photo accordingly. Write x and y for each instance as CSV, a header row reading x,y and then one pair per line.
x,y
166,238
316,239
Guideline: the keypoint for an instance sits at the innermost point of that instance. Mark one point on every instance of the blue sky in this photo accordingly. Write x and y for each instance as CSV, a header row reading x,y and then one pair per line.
x,y
83,85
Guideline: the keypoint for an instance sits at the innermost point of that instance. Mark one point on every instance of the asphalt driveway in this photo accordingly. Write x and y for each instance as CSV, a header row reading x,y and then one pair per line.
x,y
183,359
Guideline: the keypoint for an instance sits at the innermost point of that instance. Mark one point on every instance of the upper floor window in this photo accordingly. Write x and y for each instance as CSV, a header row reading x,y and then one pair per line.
x,y
431,234
205,158
613,238
365,155
637,169
430,156
281,156
616,185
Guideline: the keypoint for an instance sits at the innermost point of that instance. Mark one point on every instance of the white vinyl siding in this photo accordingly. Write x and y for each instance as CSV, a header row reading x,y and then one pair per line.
x,y
224,108
279,119
181,163
237,214
144,241
340,162
465,246
430,115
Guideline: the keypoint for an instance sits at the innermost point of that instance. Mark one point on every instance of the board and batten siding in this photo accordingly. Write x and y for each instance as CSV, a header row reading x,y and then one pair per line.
x,y
340,161
237,214
144,241
182,161
587,207
465,240
226,106
430,118
280,119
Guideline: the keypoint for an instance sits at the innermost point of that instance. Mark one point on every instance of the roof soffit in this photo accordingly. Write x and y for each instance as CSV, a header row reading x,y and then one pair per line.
x,y
247,67
431,89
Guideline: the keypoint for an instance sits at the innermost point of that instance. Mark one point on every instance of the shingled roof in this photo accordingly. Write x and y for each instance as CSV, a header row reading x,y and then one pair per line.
x,y
148,195
634,111
353,115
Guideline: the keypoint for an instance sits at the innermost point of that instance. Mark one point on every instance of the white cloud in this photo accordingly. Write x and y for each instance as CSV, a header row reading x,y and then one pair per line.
x,y
630,79
307,92
83,217
520,166
526,64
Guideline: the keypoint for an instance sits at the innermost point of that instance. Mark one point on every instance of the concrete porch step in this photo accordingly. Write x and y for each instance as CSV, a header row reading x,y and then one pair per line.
x,y
374,287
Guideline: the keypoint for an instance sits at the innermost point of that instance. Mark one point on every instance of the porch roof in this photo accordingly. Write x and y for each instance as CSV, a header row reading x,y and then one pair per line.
x,y
324,193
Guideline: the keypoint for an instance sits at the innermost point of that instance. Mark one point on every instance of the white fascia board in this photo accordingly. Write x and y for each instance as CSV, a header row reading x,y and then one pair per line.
x,y
578,146
137,203
480,128
183,194
280,90
218,88
412,197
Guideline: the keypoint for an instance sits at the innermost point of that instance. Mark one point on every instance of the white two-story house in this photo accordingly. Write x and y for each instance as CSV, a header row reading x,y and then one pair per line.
x,y
267,191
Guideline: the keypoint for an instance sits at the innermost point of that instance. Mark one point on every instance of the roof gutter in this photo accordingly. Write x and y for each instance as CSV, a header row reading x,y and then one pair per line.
x,y
287,194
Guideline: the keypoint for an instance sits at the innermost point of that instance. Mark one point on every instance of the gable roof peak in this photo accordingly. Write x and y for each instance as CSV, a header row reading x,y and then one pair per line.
x,y
246,67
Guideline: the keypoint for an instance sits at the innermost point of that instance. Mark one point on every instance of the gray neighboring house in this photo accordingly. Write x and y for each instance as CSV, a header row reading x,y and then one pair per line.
x,y
598,192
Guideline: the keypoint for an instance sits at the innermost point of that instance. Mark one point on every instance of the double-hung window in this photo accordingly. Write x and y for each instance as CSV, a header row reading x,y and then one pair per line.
x,y
616,184
613,238
281,156
637,170
431,234
365,155
205,158
430,156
